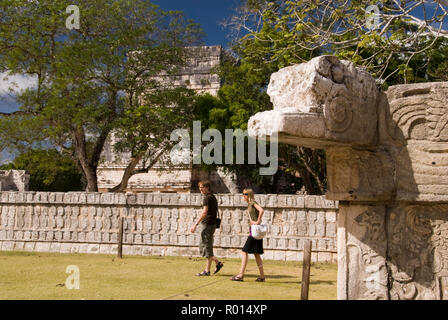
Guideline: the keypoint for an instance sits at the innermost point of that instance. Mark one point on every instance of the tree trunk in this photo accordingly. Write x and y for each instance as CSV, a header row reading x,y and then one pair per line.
x,y
88,170
128,173
130,170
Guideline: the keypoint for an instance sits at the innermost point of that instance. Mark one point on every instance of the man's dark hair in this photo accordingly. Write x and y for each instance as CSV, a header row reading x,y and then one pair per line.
x,y
205,183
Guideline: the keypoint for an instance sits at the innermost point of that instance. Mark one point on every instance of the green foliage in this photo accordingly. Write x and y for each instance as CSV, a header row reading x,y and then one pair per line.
x,y
49,171
92,80
398,49
279,33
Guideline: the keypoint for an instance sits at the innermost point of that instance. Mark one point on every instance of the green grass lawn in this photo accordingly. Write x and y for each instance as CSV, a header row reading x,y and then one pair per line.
x,y
26,275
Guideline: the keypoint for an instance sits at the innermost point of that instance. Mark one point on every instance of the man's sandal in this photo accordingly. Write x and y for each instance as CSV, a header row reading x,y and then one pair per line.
x,y
260,279
237,278
203,273
218,267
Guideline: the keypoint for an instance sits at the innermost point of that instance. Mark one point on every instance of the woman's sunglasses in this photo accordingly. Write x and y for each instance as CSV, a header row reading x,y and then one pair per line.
x,y
245,194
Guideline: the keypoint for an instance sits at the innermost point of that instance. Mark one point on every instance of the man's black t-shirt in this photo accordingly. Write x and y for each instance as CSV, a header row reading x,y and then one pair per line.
x,y
212,203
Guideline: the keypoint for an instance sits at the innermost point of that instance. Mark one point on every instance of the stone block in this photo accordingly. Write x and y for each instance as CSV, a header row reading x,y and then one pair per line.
x,y
282,201
58,235
310,202
131,199
173,199
66,248
141,198
292,244
29,246
18,235
84,248
55,247
324,256
29,197
261,199
105,248
82,199
331,229
281,243
279,255
4,197
105,237
148,198
156,251
330,216
93,198
93,248
299,256
27,235
271,201
119,199
184,199
268,255
321,245
238,201
225,200
300,201
12,197
50,236
107,198
157,199
19,245
52,198
42,247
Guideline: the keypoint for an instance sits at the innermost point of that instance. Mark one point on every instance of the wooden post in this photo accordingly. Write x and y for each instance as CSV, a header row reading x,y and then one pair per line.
x,y
306,270
120,236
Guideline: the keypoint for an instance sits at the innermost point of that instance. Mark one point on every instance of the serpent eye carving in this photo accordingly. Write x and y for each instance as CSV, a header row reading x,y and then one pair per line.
x,y
338,114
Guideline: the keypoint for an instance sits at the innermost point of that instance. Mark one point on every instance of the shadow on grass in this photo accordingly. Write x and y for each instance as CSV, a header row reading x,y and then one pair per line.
x,y
271,276
331,283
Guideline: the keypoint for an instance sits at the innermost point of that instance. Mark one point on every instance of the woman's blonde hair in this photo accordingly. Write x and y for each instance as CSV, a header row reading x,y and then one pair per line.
x,y
250,194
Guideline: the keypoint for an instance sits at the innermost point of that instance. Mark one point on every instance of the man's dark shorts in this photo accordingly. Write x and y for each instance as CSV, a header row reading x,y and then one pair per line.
x,y
206,244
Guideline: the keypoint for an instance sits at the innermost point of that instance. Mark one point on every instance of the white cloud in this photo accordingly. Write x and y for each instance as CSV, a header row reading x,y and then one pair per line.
x,y
10,85
16,83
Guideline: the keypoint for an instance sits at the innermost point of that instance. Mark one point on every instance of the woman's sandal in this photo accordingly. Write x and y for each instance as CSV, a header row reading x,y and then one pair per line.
x,y
237,278
203,273
260,279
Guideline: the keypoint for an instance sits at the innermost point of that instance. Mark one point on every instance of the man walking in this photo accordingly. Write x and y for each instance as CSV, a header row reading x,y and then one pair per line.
x,y
207,223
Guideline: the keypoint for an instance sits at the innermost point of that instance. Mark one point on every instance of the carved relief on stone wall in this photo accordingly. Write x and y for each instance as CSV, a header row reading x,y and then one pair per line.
x,y
359,174
420,114
418,252
365,252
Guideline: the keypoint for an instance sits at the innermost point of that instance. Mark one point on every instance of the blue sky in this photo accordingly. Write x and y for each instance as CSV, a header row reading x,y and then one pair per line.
x,y
208,13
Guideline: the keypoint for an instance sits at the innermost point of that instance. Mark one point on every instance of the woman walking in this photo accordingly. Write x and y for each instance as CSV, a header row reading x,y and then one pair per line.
x,y
252,245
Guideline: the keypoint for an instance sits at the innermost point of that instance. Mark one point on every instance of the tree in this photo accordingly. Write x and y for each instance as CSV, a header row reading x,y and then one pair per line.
x,y
370,33
49,171
405,42
91,80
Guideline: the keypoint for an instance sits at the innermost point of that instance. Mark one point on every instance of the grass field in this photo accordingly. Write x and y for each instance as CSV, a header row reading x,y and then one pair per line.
x,y
28,276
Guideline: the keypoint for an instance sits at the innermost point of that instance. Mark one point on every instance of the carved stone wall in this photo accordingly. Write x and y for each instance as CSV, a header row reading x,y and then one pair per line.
x,y
14,180
387,165
159,224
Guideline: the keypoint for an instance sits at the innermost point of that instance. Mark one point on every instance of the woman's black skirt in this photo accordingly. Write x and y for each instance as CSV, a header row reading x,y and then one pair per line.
x,y
253,245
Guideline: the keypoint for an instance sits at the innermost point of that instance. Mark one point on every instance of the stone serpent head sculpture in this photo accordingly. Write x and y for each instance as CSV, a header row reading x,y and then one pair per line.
x,y
380,146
